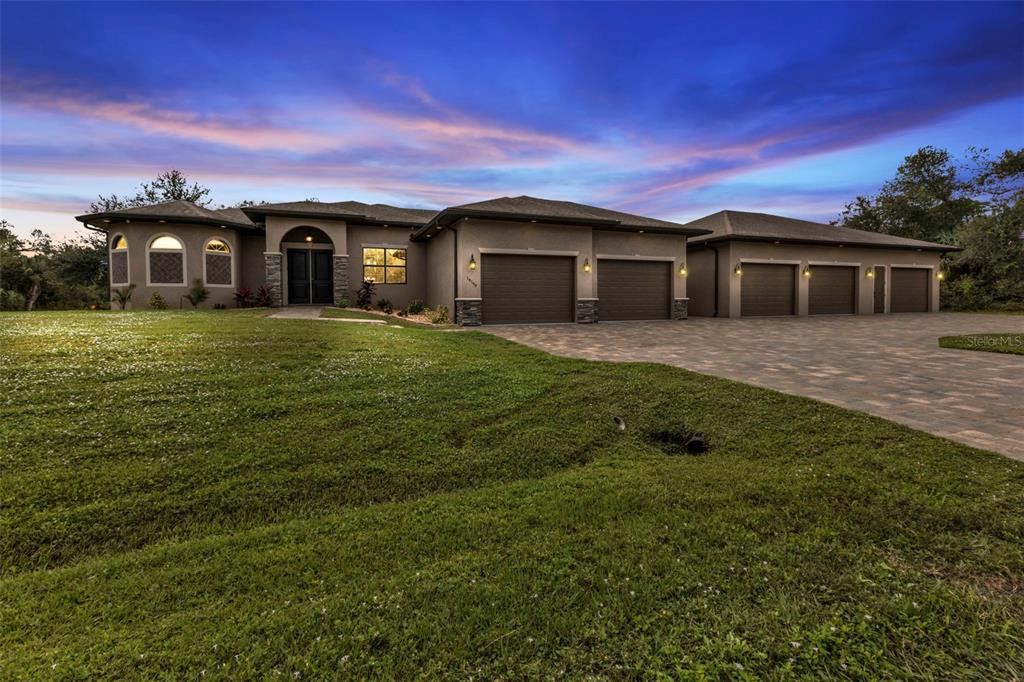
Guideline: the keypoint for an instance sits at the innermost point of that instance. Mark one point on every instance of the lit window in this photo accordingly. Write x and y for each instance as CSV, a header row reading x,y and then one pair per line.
x,y
384,266
119,260
166,260
217,263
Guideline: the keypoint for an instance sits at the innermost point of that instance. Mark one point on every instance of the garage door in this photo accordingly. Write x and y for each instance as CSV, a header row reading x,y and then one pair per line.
x,y
832,290
634,290
767,289
908,290
527,288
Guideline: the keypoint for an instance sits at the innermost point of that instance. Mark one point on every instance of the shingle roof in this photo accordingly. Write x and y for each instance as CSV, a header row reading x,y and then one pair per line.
x,y
178,210
548,210
318,208
763,227
387,214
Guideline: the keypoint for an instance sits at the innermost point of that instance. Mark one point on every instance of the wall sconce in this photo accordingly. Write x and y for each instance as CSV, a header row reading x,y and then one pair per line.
x,y
309,237
586,265
870,274
738,269
472,262
683,272
940,275
807,272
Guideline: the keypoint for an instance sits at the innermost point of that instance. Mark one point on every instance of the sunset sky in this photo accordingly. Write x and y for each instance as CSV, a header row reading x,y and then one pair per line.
x,y
669,110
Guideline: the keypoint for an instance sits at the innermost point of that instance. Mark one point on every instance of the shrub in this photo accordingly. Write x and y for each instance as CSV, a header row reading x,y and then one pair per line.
x,y
11,300
264,297
385,305
157,302
197,294
243,297
123,295
364,297
344,303
402,313
439,315
415,307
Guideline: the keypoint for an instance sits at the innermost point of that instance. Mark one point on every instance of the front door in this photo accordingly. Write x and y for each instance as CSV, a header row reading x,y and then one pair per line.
x,y
310,277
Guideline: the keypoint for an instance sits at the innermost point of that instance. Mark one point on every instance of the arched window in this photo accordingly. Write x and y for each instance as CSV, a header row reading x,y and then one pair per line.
x,y
217,265
166,258
119,260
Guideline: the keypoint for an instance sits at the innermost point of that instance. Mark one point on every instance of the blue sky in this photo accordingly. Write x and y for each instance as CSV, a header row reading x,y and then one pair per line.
x,y
670,110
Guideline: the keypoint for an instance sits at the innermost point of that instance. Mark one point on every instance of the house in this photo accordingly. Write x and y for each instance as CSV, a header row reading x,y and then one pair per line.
x,y
517,260
755,264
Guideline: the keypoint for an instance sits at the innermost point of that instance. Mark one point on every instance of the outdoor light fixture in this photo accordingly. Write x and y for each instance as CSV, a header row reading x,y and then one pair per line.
x,y
870,274
586,265
682,270
472,262
738,269
940,275
807,272
309,237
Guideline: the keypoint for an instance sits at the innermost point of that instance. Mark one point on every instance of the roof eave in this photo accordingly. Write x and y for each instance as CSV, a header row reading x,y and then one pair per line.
x,y
283,212
819,242
448,216
112,218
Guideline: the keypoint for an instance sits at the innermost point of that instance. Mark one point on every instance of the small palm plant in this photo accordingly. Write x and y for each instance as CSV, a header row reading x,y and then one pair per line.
x,y
123,295
197,294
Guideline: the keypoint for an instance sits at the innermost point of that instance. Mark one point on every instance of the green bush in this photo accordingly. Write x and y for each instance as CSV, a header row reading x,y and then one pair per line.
x,y
11,300
157,302
384,305
344,303
439,315
415,307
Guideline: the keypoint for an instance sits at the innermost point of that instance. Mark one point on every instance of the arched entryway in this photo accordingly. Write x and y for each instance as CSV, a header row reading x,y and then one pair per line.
x,y
308,267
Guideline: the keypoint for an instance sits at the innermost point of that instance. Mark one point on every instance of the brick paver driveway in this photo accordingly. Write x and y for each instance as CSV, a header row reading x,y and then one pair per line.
x,y
886,365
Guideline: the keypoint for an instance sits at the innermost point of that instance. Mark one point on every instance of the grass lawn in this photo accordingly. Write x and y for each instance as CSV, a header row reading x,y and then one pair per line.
x,y
226,494
994,343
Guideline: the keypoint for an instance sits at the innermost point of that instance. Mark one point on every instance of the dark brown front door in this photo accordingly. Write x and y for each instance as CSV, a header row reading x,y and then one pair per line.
x,y
310,277
832,290
634,290
879,289
527,289
767,290
909,290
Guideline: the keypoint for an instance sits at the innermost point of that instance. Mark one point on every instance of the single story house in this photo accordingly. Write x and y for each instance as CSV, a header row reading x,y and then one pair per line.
x,y
755,264
516,260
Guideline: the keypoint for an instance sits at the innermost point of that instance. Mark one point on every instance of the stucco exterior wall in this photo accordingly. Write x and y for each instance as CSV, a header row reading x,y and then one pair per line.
x,y
441,270
194,238
400,295
251,272
730,285
644,247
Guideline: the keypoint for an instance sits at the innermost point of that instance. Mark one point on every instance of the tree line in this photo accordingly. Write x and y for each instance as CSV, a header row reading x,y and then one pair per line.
x,y
974,204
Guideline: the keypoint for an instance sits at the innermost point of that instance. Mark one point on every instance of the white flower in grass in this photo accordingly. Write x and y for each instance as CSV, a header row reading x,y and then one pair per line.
x,y
795,645
738,666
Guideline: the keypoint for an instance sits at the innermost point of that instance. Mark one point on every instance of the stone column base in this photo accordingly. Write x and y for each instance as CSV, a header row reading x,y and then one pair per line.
x,y
680,308
340,278
468,312
272,264
586,310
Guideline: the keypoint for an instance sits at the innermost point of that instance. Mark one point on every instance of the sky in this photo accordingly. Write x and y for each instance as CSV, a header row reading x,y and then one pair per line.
x,y
668,110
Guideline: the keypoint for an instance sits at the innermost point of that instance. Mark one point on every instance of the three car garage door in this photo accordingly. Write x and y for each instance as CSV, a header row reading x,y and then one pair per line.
x,y
527,289
634,290
909,290
832,290
768,289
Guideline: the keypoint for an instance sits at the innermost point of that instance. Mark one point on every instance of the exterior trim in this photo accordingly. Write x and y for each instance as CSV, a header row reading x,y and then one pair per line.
x,y
272,253
836,263
773,261
607,256
528,252
184,260
461,298
231,254
817,242
902,265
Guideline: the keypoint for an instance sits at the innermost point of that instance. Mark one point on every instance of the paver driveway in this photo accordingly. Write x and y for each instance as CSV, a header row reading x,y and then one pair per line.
x,y
886,365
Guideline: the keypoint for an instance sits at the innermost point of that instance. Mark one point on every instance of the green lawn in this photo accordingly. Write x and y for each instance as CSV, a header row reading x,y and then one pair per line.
x,y
223,493
995,343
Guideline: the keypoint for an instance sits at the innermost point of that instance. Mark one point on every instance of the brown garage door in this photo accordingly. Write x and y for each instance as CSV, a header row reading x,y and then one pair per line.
x,y
634,290
832,290
908,290
767,289
527,288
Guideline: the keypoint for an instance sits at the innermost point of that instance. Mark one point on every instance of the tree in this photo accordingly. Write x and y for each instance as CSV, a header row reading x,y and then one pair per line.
x,y
171,185
71,273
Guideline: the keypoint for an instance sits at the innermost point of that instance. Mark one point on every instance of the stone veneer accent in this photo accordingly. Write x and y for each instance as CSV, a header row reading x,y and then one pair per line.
x,y
272,261
680,308
586,310
468,312
340,278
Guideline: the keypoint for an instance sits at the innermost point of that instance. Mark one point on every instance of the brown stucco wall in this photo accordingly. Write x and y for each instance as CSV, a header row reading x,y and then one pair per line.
x,y
810,255
194,238
400,295
441,270
251,270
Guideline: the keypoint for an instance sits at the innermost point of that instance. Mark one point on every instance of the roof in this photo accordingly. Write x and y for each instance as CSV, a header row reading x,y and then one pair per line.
x,y
742,225
351,211
551,211
180,211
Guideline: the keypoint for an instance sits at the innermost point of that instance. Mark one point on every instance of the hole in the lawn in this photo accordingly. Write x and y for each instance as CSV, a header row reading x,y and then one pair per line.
x,y
620,422
680,442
